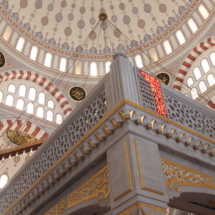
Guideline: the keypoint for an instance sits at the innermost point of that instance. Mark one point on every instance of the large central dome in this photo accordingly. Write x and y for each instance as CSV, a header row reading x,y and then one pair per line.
x,y
66,24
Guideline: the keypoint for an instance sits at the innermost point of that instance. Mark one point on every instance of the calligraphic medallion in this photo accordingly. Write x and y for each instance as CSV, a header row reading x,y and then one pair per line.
x,y
2,60
77,93
164,77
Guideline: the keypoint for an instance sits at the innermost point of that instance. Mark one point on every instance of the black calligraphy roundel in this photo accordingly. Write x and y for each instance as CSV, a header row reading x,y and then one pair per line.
x,y
77,93
164,77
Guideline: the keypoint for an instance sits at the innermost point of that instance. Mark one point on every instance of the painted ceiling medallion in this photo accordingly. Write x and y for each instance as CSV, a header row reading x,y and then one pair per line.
x,y
59,17
162,8
2,60
82,10
122,6
81,24
117,33
23,3
63,4
147,8
38,4
45,20
126,20
77,93
92,35
18,139
141,23
104,25
68,31
164,77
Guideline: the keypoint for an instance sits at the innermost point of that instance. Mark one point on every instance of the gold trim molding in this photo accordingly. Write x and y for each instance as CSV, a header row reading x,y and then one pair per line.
x,y
182,175
139,205
95,186
53,211
140,171
128,173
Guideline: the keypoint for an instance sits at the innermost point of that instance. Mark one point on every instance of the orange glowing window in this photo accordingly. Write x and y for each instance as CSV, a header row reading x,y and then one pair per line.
x,y
158,97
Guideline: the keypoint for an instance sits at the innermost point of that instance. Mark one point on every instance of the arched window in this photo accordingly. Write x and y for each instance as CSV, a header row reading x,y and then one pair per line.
x,y
153,54
167,47
205,65
93,69
41,98
20,44
203,11
20,104
212,57
9,100
138,61
1,96
7,33
78,67
32,94
197,73
3,181
30,108
40,112
59,118
211,80
51,104
63,62
180,37
48,59
34,51
202,86
190,82
11,88
107,66
194,93
49,115
192,25
22,90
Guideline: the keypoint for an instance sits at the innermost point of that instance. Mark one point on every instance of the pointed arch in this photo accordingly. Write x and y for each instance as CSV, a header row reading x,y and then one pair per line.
x,y
42,81
190,58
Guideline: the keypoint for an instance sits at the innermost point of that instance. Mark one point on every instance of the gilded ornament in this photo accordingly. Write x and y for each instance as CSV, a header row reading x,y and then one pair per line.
x,y
177,188
94,187
18,139
62,206
77,93
176,173
53,211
